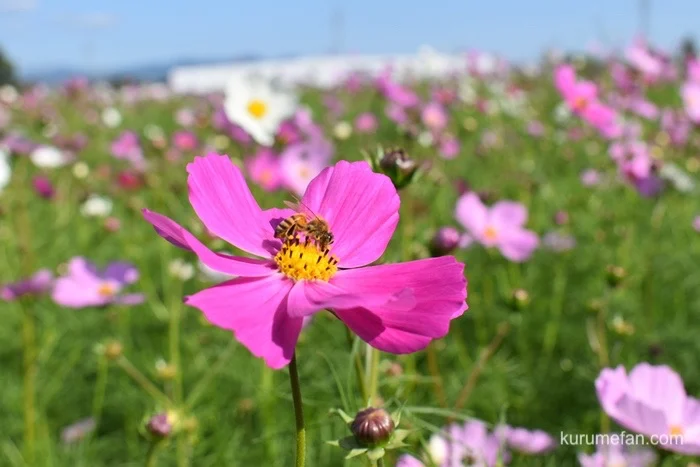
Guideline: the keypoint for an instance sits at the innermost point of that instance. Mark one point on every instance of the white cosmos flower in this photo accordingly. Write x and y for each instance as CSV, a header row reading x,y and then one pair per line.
x,y
342,130
5,169
257,107
8,94
49,157
111,117
96,206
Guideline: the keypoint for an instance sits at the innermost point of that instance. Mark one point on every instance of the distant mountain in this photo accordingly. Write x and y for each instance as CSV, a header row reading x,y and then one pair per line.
x,y
150,72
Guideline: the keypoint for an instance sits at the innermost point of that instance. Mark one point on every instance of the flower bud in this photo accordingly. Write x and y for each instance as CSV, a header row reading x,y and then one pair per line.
x,y
519,299
160,425
561,217
395,164
372,427
615,275
113,350
445,241
43,187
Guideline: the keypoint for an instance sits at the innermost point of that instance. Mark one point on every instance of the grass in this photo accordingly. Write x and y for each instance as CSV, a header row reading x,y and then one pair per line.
x,y
539,368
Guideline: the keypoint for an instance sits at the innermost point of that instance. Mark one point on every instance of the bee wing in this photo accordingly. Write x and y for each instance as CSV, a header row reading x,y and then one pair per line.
x,y
292,205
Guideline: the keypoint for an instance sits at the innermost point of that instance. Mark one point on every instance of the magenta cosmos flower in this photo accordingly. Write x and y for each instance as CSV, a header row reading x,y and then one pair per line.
x,y
652,401
397,308
84,285
500,226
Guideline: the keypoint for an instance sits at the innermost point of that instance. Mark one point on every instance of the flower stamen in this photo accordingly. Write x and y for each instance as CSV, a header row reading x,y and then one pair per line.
x,y
305,260
257,108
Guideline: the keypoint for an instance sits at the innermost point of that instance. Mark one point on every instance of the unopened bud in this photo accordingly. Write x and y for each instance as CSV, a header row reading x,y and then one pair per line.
x,y
395,164
445,241
615,275
160,425
519,299
372,427
113,350
561,218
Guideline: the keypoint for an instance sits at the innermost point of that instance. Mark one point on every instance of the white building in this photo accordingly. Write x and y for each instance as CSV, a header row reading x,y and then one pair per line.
x,y
322,71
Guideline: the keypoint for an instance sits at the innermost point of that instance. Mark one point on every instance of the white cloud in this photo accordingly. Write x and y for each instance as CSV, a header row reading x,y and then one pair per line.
x,y
10,6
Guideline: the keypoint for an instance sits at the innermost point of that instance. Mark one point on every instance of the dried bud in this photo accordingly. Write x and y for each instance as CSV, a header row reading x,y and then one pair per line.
x,y
519,299
372,427
561,218
615,275
395,164
445,241
113,350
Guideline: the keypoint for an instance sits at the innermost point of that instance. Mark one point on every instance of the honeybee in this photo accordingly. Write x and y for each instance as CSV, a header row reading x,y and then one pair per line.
x,y
306,222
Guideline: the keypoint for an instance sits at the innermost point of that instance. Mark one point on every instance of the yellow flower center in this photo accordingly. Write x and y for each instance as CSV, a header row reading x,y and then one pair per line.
x,y
675,430
257,108
490,234
580,103
305,261
106,290
304,173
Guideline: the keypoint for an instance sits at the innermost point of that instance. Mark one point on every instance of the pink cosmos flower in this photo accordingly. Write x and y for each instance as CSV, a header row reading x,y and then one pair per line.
x,y
523,440
301,162
500,226
397,308
471,441
693,70
366,123
85,286
639,56
41,282
449,147
395,92
611,454
691,98
185,140
696,224
590,177
434,116
127,147
651,400
264,169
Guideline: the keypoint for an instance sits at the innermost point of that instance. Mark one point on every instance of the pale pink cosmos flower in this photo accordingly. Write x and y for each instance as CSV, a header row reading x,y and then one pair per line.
x,y
84,285
696,224
524,440
590,177
366,123
639,56
610,455
264,169
693,70
434,117
449,147
690,92
501,226
128,147
302,162
397,308
652,401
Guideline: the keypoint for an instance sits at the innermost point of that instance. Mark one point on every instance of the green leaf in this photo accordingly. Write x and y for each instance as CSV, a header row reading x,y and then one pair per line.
x,y
355,453
376,454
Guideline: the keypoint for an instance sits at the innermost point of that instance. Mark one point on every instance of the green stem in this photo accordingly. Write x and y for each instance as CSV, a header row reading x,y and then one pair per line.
x,y
373,373
298,412
434,369
380,462
359,370
151,456
143,381
30,371
100,388
174,349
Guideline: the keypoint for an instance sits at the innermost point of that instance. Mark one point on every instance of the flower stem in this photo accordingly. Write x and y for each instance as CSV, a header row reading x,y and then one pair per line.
x,y
372,379
434,369
359,370
380,462
298,412
151,456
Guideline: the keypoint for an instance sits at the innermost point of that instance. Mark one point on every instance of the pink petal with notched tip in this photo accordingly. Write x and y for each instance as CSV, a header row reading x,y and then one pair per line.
x,y
439,289
361,207
255,309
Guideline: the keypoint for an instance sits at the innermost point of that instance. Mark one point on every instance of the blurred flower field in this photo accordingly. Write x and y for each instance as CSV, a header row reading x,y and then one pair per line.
x,y
567,190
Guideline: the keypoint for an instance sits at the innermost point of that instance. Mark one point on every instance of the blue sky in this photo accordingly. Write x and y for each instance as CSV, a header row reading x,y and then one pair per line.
x,y
111,34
